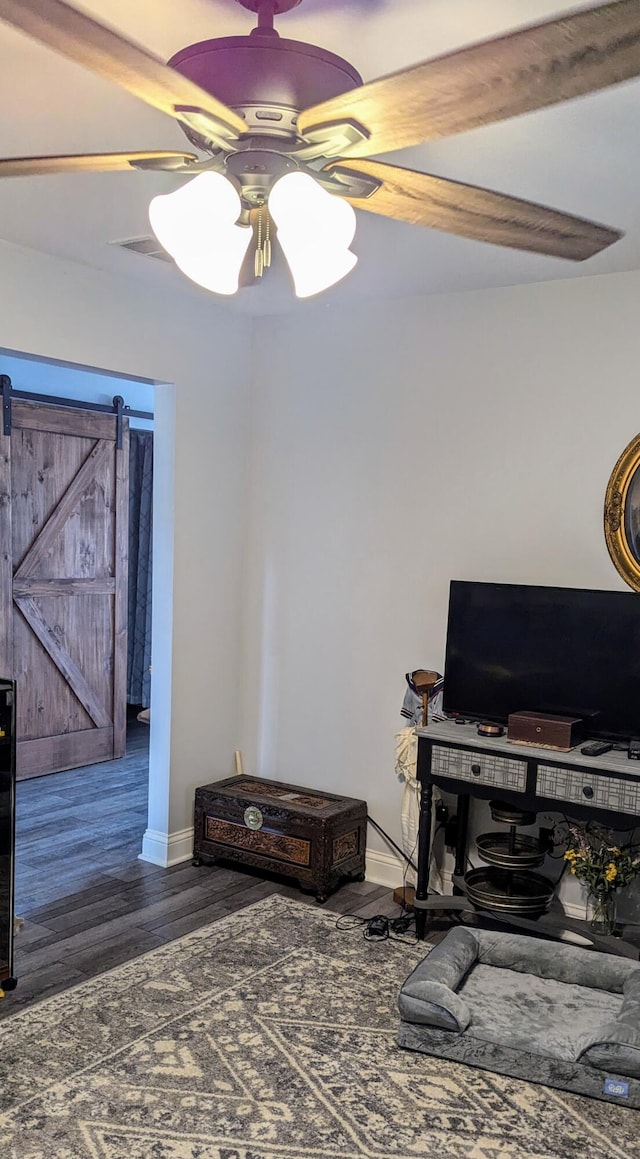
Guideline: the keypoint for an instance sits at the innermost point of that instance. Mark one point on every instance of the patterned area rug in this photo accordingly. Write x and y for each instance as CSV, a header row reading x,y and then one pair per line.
x,y
268,1035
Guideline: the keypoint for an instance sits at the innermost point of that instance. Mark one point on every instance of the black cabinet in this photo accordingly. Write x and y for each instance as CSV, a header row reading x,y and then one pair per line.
x,y
7,829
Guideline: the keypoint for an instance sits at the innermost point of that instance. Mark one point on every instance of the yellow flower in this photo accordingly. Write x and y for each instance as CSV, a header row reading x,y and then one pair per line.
x,y
573,869
611,872
570,855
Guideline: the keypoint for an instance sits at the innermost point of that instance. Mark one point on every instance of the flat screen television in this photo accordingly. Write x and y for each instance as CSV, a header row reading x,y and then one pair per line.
x,y
564,651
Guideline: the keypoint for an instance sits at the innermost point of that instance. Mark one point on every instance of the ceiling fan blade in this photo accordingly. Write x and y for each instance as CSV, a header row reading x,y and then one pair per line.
x,y
491,81
475,213
95,163
105,52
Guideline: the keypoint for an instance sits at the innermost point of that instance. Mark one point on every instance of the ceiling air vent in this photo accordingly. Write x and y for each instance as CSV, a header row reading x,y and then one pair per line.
x,y
149,247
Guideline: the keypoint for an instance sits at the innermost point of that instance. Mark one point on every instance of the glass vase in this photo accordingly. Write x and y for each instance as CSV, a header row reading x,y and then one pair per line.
x,y
603,913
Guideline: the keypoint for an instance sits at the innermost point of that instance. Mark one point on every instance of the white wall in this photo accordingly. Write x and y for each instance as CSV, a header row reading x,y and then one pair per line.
x,y
389,450
66,312
395,448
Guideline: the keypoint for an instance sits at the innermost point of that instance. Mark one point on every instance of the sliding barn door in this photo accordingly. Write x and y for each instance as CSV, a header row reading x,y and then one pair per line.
x,y
63,582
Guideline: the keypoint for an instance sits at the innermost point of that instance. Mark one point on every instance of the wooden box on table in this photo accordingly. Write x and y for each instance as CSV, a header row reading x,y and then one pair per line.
x,y
317,838
546,731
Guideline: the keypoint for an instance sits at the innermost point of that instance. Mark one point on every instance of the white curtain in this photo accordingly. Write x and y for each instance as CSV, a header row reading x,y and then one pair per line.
x,y
406,758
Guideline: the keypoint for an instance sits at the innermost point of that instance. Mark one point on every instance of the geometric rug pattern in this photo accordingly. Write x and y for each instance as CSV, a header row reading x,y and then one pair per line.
x,y
268,1035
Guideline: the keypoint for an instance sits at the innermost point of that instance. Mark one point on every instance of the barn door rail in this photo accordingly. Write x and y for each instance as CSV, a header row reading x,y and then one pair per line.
x,y
118,406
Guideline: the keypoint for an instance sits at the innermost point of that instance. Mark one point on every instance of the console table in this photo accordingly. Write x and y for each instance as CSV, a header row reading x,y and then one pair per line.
x,y
460,761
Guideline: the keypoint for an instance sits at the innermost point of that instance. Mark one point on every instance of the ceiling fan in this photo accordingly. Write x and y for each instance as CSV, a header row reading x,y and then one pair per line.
x,y
286,133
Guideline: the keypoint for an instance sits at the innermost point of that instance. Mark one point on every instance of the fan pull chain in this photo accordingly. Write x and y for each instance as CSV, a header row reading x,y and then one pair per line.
x,y
266,248
259,258
262,234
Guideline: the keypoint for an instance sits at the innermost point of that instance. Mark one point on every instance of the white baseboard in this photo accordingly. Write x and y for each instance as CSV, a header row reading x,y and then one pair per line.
x,y
384,869
166,849
171,848
575,911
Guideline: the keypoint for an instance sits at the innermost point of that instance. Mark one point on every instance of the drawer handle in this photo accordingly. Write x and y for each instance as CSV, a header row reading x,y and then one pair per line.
x,y
476,770
587,791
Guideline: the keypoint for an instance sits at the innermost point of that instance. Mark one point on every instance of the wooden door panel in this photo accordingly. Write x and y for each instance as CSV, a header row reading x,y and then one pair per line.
x,y
65,503
76,632
65,751
68,500
37,416
42,469
47,706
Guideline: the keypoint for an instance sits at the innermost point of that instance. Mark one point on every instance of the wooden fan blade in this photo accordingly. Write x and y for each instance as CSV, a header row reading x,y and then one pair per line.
x,y
94,163
490,81
476,213
110,55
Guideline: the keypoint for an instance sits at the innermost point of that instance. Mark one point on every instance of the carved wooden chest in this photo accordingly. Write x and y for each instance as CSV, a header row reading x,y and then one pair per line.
x,y
317,838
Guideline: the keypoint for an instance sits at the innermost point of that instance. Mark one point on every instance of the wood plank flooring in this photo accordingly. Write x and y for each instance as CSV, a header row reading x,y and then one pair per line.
x,y
89,904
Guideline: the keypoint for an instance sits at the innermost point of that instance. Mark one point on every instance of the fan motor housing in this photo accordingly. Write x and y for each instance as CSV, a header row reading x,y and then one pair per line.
x,y
267,79
279,6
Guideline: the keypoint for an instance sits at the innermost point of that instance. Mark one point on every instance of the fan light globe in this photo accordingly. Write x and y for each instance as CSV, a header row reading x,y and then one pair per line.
x,y
197,225
315,230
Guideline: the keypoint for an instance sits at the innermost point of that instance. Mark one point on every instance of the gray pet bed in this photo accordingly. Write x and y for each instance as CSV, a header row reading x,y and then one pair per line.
x,y
537,1010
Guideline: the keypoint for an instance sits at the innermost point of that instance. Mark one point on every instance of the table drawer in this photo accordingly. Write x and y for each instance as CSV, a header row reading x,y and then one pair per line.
x,y
480,768
585,788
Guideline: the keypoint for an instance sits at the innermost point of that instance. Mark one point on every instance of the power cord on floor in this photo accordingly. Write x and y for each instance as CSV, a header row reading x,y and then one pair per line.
x,y
380,928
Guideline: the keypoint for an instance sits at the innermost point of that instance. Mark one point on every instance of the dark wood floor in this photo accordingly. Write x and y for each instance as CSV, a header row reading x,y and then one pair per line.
x,y
89,904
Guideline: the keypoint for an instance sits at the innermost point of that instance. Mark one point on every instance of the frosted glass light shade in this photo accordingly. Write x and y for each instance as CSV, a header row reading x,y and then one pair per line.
x,y
197,225
315,230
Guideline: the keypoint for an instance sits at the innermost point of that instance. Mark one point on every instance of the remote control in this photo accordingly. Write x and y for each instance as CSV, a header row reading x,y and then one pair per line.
x,y
634,750
595,748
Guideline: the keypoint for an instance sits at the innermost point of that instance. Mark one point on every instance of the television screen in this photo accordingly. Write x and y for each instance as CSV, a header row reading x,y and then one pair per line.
x,y
564,651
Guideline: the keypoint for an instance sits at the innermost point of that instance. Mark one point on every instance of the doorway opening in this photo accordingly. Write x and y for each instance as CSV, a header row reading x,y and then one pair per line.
x,y
75,817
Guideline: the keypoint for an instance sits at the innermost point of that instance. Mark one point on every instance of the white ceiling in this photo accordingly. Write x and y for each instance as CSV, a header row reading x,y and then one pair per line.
x,y
582,157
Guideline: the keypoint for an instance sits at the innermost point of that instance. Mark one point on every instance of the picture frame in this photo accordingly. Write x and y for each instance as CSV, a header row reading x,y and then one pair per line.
x,y
622,514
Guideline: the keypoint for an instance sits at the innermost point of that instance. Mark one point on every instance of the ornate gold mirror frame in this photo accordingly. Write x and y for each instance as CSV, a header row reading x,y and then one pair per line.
x,y
622,514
